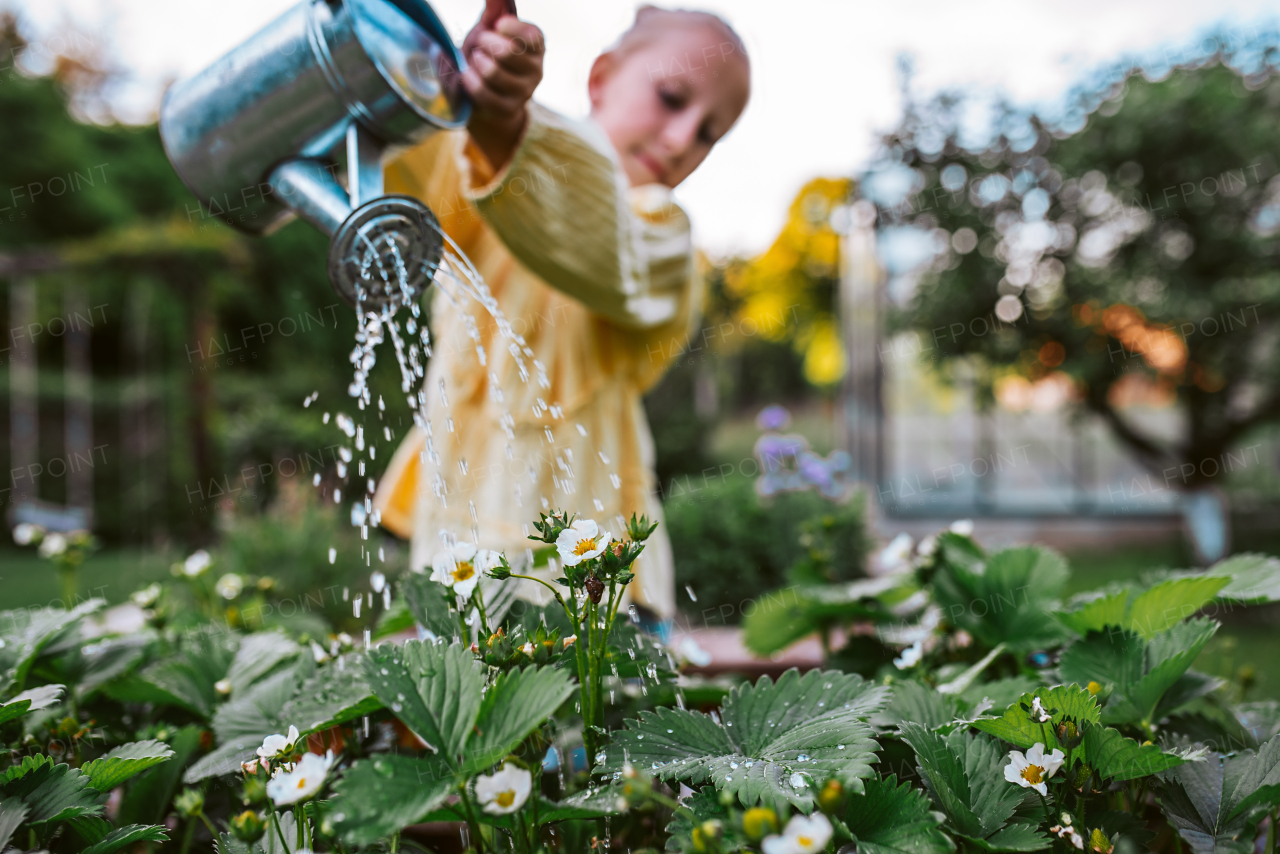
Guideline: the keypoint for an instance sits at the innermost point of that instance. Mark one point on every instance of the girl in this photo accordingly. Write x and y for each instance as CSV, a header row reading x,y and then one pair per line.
x,y
573,227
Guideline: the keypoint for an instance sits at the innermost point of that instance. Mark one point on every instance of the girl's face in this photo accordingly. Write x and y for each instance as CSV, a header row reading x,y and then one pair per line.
x,y
667,102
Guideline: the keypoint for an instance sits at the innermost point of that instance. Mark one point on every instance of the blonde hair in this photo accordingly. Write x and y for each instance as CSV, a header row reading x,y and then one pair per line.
x,y
651,21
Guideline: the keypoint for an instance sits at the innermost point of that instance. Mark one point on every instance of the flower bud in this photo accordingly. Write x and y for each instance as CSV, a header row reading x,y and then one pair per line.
x,y
248,826
759,822
831,798
1099,842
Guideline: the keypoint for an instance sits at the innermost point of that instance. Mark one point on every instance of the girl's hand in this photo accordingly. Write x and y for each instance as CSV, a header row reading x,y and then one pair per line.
x,y
504,58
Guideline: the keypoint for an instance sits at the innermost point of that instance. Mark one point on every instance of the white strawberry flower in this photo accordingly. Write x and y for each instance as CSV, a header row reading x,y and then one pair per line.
x,y
459,566
1032,770
304,780
196,564
504,792
583,540
53,545
274,745
803,835
910,656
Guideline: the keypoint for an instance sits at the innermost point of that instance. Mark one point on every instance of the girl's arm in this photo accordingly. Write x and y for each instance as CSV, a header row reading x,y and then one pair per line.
x,y
563,208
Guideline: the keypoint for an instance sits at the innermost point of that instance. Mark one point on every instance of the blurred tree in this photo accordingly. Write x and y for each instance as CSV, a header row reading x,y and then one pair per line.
x,y
178,415
1133,259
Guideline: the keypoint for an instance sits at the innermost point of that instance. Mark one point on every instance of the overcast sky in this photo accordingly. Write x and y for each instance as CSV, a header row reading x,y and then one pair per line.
x,y
824,80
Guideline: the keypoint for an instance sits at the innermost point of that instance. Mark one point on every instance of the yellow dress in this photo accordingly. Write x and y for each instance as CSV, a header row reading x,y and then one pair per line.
x,y
598,278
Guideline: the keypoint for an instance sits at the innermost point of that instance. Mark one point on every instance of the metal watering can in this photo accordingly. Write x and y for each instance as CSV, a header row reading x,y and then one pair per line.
x,y
257,135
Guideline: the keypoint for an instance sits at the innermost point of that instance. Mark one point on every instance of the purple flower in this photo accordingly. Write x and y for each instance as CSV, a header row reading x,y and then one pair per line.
x,y
773,417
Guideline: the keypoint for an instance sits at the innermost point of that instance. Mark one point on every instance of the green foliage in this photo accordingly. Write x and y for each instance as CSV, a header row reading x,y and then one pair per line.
x,y
1138,675
774,744
1216,805
964,776
377,797
1062,703
1116,757
888,818
518,701
1123,265
1254,578
123,837
731,548
1008,600
124,762
1146,612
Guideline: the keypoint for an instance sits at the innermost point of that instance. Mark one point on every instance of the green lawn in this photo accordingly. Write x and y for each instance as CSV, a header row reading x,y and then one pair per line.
x,y
27,581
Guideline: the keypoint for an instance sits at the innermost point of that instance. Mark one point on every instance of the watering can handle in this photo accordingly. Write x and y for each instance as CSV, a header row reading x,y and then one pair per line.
x,y
495,9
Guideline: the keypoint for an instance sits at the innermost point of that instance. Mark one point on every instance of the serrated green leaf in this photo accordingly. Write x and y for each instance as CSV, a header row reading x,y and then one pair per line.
x,y
185,680
259,654
29,701
1136,673
330,697
90,828
376,797
776,742
1211,803
1170,602
1009,601
894,819
1254,578
12,813
26,632
916,702
256,711
426,602
26,766
434,688
147,797
112,769
1062,702
964,775
1115,756
1097,613
1015,837
55,793
518,702
107,659
126,836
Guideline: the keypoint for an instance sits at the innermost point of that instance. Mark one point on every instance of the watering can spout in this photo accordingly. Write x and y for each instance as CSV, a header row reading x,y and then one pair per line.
x,y
294,123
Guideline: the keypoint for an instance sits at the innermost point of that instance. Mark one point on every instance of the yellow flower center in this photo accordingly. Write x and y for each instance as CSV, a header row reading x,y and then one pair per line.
x,y
584,546
507,798
463,571
1094,687
804,841
302,782
1033,774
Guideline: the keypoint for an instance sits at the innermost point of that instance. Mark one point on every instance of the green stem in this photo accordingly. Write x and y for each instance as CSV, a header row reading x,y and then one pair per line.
x,y
299,820
186,836
1271,831
208,824
472,823
275,822
525,844
395,842
1048,814
479,601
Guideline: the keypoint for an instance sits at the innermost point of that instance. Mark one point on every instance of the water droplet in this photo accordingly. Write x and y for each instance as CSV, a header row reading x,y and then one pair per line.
x,y
333,555
839,747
